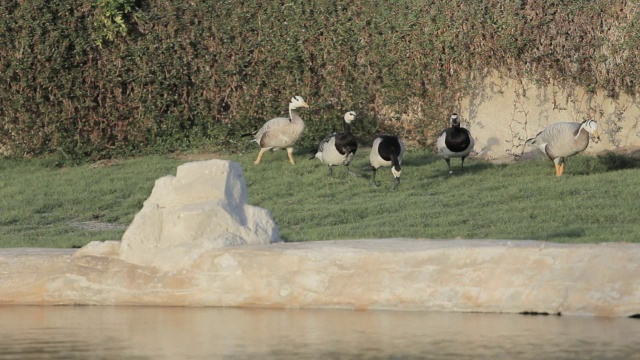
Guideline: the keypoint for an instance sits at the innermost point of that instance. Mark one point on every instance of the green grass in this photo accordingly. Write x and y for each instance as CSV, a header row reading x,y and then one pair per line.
x,y
595,201
39,203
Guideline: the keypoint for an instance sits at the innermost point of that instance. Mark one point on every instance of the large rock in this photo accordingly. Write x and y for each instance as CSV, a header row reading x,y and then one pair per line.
x,y
203,207
181,249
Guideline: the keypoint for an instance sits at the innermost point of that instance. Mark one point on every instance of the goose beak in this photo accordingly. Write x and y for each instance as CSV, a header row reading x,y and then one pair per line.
x,y
305,105
596,137
396,177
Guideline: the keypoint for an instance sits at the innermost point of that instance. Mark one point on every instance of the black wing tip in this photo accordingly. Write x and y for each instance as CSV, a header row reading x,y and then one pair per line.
x,y
249,134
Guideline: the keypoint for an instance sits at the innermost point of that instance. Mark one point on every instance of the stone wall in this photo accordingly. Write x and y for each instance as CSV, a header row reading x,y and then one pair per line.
x,y
505,112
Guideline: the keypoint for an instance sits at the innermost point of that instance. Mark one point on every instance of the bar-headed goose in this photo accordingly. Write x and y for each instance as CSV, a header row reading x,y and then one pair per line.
x,y
281,132
564,139
454,142
386,150
339,148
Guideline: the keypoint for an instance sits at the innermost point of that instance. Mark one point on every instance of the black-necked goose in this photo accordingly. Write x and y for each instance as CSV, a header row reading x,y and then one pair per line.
x,y
455,142
564,139
386,150
281,132
339,148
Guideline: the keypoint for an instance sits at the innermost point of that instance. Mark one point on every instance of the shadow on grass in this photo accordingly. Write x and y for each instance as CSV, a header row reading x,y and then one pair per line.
x,y
469,168
564,234
602,163
419,160
615,161
477,166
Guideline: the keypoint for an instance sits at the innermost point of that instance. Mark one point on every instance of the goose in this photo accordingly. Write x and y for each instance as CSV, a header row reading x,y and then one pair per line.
x,y
564,139
281,132
339,148
454,142
386,150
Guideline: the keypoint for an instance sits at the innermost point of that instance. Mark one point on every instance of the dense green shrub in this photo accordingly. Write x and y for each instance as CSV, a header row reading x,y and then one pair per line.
x,y
120,77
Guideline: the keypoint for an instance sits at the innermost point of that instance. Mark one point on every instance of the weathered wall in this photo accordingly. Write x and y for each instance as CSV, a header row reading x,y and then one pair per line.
x,y
505,112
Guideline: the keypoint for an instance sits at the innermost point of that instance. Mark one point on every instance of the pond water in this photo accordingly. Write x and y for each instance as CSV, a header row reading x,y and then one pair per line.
x,y
88,332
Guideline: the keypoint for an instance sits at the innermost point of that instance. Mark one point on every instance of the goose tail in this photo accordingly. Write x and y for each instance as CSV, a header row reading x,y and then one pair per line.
x,y
532,141
249,134
315,153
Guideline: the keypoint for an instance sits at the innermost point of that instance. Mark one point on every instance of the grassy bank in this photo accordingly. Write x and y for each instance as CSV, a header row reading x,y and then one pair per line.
x,y
595,201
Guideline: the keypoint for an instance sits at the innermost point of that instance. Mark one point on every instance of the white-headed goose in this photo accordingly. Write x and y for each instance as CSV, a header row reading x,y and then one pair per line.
x,y
281,132
454,142
564,139
386,150
339,148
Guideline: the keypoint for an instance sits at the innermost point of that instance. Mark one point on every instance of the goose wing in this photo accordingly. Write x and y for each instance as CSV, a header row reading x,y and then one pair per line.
x,y
325,142
556,139
568,141
346,143
440,146
275,127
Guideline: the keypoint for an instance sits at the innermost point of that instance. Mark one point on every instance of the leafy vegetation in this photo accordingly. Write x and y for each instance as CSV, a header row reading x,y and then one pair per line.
x,y
595,201
109,78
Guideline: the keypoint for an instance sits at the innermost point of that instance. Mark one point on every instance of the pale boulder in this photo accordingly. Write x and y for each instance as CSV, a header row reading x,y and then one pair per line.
x,y
203,207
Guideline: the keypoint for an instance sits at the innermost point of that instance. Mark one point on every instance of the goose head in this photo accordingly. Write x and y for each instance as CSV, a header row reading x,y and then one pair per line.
x,y
455,120
297,102
591,126
349,117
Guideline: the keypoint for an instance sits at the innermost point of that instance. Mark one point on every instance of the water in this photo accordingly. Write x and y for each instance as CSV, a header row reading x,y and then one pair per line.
x,y
73,332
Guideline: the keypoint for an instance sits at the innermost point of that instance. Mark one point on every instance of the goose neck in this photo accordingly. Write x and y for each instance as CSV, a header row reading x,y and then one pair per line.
x,y
347,128
395,162
579,130
293,115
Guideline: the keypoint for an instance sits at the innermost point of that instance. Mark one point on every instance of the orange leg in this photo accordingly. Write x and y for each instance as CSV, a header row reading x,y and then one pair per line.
x,y
260,156
290,153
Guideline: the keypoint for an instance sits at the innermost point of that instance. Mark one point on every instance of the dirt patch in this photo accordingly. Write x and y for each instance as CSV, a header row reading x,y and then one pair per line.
x,y
97,225
103,163
201,156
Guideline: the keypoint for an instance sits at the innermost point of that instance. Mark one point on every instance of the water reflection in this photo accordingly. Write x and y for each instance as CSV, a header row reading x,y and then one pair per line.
x,y
214,333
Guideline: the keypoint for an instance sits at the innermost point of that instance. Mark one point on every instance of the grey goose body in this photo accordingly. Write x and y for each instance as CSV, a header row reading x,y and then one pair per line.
x,y
281,132
564,139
